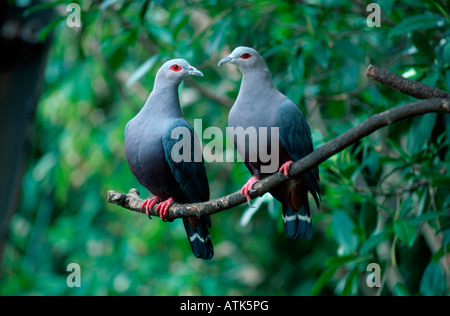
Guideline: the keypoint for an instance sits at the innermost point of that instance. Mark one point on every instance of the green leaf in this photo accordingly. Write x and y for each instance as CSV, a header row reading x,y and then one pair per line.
x,y
117,57
351,283
431,78
401,290
309,25
322,53
447,77
417,22
374,241
446,53
437,7
299,69
446,238
422,44
420,133
438,255
107,3
341,260
53,24
43,6
350,50
162,34
386,6
324,278
368,217
343,227
441,181
407,206
372,162
433,281
426,217
250,211
144,9
142,70
403,154
274,208
405,232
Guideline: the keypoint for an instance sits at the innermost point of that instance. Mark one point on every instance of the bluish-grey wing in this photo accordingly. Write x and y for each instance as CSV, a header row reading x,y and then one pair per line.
x,y
185,160
183,154
295,134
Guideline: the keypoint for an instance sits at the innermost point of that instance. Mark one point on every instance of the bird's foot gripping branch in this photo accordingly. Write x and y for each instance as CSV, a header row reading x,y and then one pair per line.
x,y
433,101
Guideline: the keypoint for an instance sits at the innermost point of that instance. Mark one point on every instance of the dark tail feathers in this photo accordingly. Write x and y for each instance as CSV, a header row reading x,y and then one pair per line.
x,y
199,237
297,224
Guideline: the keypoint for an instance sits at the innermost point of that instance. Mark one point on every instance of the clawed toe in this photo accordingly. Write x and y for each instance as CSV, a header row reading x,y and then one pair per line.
x,y
248,188
285,168
149,204
163,208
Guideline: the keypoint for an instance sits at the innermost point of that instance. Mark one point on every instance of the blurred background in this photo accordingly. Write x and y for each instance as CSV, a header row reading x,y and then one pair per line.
x,y
67,93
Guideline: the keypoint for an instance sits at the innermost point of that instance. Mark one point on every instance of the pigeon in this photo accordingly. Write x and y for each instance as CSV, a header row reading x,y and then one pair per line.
x,y
151,140
260,105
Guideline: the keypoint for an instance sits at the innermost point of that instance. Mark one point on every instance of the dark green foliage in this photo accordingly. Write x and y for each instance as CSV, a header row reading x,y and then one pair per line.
x,y
385,200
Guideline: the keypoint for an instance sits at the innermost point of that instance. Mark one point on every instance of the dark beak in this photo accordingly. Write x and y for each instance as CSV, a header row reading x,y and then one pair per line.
x,y
225,61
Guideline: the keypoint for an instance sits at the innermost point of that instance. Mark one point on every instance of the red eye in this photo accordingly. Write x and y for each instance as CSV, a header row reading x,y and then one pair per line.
x,y
175,68
245,56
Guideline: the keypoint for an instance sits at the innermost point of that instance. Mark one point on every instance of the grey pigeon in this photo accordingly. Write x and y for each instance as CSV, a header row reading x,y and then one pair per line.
x,y
260,104
149,139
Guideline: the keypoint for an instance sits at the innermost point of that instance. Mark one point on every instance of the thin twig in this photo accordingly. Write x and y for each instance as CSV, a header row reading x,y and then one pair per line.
x,y
394,191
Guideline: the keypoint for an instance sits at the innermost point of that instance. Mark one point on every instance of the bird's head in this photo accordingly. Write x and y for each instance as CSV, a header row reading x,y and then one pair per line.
x,y
243,57
175,70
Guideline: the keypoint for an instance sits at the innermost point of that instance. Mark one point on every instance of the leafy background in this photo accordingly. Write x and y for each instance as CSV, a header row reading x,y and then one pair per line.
x,y
385,200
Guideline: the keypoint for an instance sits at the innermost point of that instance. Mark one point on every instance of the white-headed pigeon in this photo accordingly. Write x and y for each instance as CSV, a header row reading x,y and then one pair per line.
x,y
149,139
260,105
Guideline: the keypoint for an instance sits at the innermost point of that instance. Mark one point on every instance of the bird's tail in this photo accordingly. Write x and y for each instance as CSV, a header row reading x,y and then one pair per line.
x,y
199,237
297,224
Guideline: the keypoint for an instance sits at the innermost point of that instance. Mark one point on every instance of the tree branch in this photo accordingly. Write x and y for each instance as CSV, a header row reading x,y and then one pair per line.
x,y
132,201
410,87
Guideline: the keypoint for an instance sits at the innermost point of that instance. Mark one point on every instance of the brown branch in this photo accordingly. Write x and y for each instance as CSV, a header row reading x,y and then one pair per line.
x,y
394,192
407,86
132,201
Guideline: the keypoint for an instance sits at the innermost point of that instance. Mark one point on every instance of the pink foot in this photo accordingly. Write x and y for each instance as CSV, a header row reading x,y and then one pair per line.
x,y
249,187
163,207
149,204
285,167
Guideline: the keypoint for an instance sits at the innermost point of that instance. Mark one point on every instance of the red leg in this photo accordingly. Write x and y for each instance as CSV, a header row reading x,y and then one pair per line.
x,y
149,204
248,187
163,207
285,167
